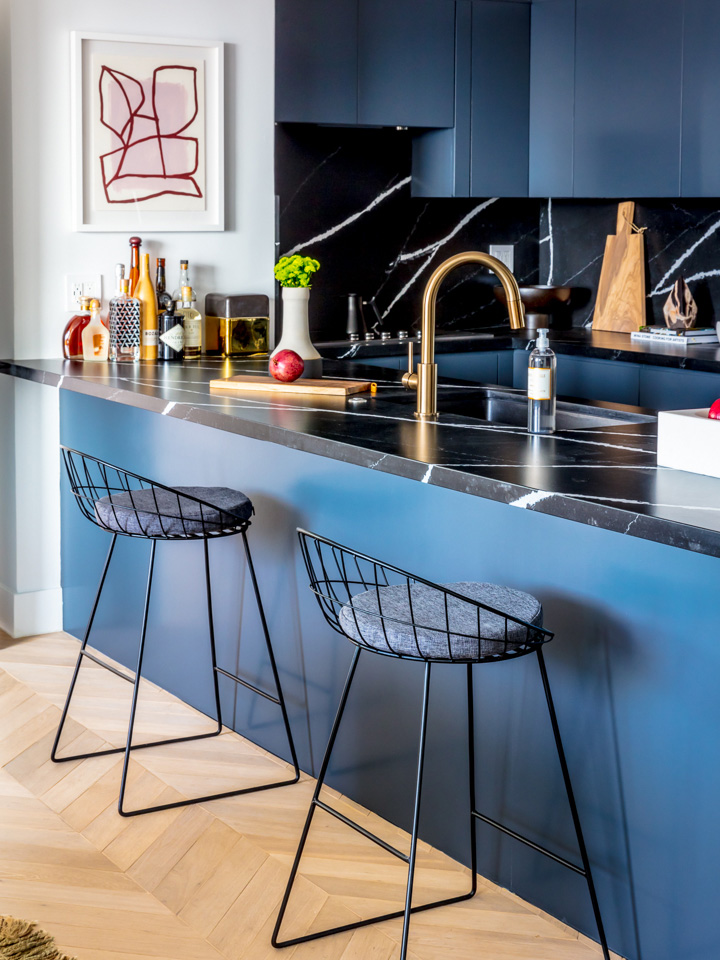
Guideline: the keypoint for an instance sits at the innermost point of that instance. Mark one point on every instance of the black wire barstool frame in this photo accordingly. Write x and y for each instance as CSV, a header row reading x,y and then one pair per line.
x,y
327,563
92,480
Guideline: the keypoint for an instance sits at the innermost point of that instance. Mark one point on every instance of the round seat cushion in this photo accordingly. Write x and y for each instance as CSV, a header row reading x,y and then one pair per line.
x,y
383,619
163,513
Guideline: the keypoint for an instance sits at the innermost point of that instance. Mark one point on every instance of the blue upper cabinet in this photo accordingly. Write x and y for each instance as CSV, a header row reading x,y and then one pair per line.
x,y
700,162
316,61
406,63
367,62
552,98
628,65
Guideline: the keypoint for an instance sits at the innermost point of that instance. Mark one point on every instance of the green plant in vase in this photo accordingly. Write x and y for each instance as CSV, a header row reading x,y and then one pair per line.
x,y
294,274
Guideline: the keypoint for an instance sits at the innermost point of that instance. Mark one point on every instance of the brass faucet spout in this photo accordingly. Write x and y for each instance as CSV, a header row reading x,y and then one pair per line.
x,y
425,380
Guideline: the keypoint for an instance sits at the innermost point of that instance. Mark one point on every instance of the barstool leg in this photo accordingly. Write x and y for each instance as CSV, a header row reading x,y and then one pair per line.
x,y
81,655
311,811
573,806
471,777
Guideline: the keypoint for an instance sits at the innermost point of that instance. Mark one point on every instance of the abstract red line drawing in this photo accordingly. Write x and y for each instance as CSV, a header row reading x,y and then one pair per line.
x,y
152,154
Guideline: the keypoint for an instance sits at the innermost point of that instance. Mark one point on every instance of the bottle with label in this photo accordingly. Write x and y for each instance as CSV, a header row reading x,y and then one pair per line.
x,y
95,336
184,282
172,334
124,325
192,322
135,244
72,335
541,386
145,293
163,297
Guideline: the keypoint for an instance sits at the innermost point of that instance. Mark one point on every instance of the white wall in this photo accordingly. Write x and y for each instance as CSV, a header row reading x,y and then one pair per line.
x,y
238,260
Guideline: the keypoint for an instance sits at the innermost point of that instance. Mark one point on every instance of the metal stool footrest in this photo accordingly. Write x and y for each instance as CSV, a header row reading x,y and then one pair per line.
x,y
529,843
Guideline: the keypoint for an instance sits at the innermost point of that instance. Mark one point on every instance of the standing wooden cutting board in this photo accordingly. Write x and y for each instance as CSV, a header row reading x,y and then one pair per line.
x,y
620,304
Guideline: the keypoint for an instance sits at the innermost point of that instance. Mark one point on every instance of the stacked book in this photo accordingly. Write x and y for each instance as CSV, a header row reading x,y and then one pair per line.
x,y
706,335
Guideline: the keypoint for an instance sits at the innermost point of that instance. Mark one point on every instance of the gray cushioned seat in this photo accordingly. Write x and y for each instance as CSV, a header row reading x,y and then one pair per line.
x,y
161,513
361,621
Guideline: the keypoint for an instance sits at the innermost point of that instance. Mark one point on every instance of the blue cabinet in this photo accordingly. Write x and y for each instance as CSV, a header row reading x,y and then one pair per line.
x,y
628,64
663,388
316,61
701,100
365,62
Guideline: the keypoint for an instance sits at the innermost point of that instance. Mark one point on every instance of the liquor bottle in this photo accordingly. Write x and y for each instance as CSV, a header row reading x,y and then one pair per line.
x,y
72,335
172,334
145,293
541,386
192,322
95,336
135,243
119,274
184,282
163,297
124,325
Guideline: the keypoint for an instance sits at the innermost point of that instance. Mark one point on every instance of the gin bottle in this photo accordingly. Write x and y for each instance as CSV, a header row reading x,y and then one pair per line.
x,y
192,322
124,325
541,387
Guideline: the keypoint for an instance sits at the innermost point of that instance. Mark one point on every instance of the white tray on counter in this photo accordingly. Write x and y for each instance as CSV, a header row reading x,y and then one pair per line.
x,y
688,440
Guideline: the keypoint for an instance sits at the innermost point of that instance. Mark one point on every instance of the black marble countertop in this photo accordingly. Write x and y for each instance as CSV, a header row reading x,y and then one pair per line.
x,y
605,477
578,342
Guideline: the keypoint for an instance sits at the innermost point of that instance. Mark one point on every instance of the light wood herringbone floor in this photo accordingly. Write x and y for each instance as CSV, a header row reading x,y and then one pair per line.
x,y
204,882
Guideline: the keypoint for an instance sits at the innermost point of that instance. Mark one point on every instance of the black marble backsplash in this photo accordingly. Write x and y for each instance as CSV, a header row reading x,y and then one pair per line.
x,y
344,198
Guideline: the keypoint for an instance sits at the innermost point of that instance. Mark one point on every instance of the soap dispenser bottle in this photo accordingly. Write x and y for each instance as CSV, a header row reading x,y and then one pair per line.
x,y
541,386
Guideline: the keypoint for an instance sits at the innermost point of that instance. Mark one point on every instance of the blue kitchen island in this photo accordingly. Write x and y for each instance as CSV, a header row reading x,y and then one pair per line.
x,y
623,555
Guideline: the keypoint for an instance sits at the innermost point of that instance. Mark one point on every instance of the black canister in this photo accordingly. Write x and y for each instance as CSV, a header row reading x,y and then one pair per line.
x,y
172,335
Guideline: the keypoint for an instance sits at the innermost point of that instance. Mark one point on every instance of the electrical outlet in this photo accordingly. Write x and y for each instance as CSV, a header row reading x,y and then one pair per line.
x,y
81,285
505,253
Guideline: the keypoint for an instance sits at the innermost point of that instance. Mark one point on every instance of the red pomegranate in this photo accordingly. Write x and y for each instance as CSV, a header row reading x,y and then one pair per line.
x,y
286,366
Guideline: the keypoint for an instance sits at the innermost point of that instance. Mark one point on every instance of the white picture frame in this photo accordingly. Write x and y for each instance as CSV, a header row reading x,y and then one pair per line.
x,y
124,181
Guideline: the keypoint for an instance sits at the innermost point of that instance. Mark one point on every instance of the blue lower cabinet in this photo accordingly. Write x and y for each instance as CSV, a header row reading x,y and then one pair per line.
x,y
665,389
588,379
476,367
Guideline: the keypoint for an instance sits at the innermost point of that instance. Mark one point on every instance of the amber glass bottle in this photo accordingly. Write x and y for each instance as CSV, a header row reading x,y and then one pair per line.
x,y
145,293
135,244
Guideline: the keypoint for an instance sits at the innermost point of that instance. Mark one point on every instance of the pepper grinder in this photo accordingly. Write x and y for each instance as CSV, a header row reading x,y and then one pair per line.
x,y
355,326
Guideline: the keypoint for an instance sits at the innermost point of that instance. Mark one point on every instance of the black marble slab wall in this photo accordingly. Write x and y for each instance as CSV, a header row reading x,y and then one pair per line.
x,y
344,198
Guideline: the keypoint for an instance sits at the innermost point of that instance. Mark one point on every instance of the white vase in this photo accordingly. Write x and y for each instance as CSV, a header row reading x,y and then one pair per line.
x,y
296,332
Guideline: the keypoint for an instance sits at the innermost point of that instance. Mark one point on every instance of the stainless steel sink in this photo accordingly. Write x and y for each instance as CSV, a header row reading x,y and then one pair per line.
x,y
508,407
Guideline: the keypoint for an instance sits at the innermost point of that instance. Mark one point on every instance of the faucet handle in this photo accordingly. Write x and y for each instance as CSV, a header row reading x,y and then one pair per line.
x,y
409,379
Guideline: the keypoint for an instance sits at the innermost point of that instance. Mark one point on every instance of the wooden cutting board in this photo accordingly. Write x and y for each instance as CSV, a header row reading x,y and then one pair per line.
x,y
620,304
328,388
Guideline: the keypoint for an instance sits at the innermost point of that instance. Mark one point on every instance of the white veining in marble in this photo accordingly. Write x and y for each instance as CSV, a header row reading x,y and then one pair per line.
x,y
530,499
673,269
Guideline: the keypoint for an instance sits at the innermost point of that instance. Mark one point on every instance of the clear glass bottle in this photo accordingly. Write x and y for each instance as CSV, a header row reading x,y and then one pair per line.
x,y
163,297
172,334
192,322
184,282
145,293
95,336
124,325
541,386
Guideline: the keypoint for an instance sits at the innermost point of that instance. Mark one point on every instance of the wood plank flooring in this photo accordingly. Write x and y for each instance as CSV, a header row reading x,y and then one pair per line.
x,y
205,882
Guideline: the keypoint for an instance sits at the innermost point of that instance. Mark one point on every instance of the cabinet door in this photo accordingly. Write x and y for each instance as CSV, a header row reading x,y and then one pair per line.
x,y
406,63
587,378
500,98
316,61
627,98
662,388
476,367
701,100
552,97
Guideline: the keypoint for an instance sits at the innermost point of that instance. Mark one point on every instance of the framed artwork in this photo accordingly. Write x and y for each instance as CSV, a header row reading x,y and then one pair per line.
x,y
147,133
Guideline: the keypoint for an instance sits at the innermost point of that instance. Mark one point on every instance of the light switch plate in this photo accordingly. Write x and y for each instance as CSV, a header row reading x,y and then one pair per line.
x,y
505,252
81,285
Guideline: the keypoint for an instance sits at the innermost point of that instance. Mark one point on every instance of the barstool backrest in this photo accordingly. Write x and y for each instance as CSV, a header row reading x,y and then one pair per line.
x,y
351,588
137,507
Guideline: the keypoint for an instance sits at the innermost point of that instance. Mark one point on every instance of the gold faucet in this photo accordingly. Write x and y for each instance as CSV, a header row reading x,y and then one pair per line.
x,y
425,380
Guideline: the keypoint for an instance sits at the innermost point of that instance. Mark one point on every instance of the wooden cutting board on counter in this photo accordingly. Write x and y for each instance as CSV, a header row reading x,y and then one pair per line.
x,y
328,388
620,304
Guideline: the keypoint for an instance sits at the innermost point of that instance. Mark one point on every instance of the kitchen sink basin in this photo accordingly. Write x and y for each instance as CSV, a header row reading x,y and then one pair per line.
x,y
509,408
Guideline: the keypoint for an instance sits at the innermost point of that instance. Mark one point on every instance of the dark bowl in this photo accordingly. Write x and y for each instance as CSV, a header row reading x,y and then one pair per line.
x,y
538,299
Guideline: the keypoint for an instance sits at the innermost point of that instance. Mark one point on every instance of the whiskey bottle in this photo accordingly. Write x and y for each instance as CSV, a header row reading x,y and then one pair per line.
x,y
135,244
124,325
95,336
163,297
172,334
72,335
145,293
192,322
184,282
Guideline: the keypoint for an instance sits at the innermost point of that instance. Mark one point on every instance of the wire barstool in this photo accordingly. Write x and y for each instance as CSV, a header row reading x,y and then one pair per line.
x,y
126,504
387,611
